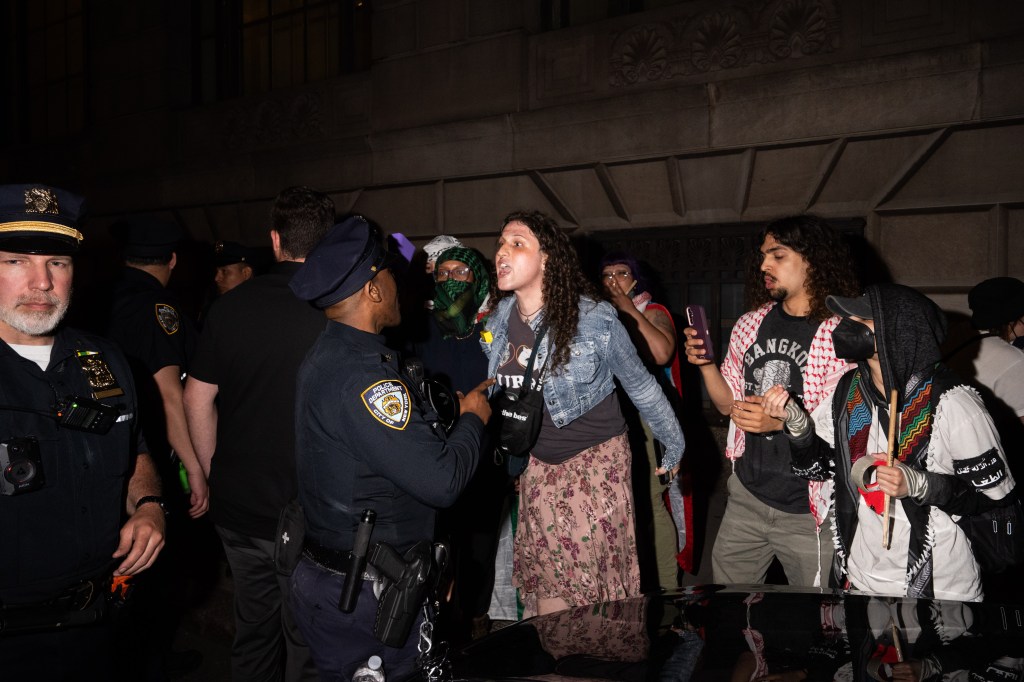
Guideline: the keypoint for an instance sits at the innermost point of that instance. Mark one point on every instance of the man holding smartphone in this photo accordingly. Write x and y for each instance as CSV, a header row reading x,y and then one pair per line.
x,y
785,339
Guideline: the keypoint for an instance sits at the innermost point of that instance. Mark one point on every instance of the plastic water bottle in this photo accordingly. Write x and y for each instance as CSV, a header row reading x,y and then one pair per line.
x,y
371,671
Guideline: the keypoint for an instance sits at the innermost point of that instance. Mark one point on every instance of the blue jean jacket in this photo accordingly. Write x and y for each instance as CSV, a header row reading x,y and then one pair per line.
x,y
600,352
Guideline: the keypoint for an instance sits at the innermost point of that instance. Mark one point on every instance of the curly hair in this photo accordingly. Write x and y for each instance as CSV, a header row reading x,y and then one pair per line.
x,y
562,285
829,272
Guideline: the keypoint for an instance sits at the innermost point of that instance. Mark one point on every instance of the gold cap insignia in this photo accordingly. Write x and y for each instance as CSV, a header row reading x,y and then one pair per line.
x,y
41,200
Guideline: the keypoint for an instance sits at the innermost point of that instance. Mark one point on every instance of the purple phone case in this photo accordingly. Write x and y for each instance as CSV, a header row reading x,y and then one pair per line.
x,y
698,320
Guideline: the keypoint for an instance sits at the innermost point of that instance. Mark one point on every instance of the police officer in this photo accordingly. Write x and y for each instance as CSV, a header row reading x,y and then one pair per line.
x,y
159,340
364,440
235,264
74,463
147,322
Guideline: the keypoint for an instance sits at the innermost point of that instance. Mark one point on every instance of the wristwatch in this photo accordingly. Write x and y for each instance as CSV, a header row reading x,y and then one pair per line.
x,y
155,499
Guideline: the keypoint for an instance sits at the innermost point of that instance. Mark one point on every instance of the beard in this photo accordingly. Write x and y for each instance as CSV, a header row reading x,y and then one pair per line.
x,y
35,323
778,294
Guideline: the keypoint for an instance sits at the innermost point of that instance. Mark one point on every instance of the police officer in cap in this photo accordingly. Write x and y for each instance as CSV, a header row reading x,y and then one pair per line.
x,y
235,264
365,440
79,496
146,320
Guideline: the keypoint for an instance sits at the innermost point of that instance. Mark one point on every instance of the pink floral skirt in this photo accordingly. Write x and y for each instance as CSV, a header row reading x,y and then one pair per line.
x,y
575,538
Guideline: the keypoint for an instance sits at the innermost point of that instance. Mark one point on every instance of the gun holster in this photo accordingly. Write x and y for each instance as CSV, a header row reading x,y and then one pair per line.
x,y
406,584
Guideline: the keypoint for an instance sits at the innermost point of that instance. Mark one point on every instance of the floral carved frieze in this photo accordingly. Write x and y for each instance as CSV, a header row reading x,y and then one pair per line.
x,y
273,122
733,36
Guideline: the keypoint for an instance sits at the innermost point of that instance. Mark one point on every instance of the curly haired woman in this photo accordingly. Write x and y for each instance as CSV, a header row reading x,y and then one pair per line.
x,y
575,543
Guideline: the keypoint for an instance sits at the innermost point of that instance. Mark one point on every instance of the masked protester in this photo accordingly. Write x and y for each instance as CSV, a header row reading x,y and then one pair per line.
x,y
947,460
451,354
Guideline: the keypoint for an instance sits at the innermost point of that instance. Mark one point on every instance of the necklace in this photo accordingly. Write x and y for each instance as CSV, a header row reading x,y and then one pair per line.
x,y
528,318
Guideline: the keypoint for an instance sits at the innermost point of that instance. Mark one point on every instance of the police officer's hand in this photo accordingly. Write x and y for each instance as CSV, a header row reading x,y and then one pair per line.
x,y
142,538
475,401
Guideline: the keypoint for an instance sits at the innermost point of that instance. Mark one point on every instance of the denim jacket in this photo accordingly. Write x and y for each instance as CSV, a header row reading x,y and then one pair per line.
x,y
600,352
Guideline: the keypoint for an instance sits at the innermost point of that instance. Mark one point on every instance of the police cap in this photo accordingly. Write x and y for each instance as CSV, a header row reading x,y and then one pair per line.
x,y
39,219
349,256
147,236
229,253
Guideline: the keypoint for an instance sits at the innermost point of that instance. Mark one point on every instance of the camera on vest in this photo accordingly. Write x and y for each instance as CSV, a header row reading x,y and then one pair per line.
x,y
21,466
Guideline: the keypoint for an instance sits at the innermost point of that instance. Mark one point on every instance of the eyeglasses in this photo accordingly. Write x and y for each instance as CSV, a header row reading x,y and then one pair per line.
x,y
618,274
459,274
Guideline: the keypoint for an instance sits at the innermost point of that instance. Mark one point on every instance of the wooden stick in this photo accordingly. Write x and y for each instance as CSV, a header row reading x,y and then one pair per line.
x,y
887,502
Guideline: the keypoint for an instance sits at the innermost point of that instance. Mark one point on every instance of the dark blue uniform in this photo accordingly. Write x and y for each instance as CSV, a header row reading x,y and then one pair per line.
x,y
67,530
364,441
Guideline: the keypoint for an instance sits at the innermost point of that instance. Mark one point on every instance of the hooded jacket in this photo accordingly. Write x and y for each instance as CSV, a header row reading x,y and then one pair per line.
x,y
943,430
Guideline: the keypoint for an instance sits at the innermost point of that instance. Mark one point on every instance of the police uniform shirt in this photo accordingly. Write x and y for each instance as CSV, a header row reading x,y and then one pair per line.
x,y
67,530
148,324
364,441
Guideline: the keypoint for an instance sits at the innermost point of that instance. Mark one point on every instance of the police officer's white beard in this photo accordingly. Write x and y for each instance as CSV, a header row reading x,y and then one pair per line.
x,y
36,323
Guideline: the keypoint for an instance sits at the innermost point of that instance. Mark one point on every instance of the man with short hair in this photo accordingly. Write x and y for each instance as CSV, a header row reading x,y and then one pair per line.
x,y
786,339
76,465
365,440
240,403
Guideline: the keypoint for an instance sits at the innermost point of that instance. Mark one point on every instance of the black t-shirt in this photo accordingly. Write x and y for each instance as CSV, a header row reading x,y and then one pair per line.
x,y
779,356
556,445
252,345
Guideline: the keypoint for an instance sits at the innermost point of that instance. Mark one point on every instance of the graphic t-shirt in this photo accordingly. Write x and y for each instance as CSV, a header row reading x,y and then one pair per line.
x,y
779,356
556,445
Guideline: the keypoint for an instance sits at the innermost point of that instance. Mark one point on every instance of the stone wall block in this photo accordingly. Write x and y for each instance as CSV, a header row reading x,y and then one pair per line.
x,y
940,253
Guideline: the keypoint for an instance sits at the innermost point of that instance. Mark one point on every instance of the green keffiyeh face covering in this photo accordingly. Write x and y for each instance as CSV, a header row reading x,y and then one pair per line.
x,y
456,303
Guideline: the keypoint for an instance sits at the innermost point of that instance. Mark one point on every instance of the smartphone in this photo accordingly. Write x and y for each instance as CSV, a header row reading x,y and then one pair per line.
x,y
698,319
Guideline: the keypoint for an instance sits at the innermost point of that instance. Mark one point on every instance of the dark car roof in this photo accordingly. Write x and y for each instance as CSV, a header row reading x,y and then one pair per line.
x,y
745,633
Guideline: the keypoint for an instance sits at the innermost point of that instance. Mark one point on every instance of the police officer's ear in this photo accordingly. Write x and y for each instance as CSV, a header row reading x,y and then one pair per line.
x,y
372,291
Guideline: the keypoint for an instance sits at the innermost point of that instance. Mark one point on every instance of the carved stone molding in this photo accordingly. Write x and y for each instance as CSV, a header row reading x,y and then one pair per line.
x,y
733,36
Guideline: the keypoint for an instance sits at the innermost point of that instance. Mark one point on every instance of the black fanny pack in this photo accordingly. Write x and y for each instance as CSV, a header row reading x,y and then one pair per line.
x,y
520,414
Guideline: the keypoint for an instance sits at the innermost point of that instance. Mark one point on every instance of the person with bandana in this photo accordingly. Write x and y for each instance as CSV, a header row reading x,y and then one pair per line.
x,y
947,459
669,520
451,354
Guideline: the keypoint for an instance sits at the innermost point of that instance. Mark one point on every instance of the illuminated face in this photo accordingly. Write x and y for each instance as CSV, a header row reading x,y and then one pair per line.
x,y
35,291
519,260
385,281
230,276
785,270
619,275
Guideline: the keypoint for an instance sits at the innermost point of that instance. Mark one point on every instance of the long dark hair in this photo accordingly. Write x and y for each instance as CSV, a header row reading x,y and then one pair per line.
x,y
830,269
562,285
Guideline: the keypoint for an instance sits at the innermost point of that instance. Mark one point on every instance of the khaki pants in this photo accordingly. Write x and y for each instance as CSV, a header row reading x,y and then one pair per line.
x,y
753,533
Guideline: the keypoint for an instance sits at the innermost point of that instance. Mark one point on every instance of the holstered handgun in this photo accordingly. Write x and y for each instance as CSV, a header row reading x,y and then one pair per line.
x,y
406,582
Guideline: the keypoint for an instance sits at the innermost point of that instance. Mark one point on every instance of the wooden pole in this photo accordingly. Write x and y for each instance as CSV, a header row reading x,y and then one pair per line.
x,y
887,502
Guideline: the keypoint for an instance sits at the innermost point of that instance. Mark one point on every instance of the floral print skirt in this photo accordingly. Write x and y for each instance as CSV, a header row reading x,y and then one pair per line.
x,y
575,538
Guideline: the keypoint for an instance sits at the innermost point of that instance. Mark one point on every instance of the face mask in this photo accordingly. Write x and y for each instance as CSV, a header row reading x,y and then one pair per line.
x,y
853,340
455,307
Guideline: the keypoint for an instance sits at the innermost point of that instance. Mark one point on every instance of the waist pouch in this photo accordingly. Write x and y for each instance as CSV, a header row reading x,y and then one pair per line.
x,y
406,586
291,531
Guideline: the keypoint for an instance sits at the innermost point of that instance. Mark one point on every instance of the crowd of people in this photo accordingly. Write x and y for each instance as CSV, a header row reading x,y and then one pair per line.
x,y
392,441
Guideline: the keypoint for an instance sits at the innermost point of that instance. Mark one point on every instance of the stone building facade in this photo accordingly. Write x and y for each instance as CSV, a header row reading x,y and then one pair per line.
x,y
674,129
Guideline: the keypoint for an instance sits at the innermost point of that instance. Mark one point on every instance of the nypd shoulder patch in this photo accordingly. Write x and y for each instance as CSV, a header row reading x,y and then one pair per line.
x,y
167,316
389,403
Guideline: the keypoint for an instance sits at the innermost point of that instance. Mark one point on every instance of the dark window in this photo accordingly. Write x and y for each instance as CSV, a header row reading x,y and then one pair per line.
x,y
54,74
246,47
